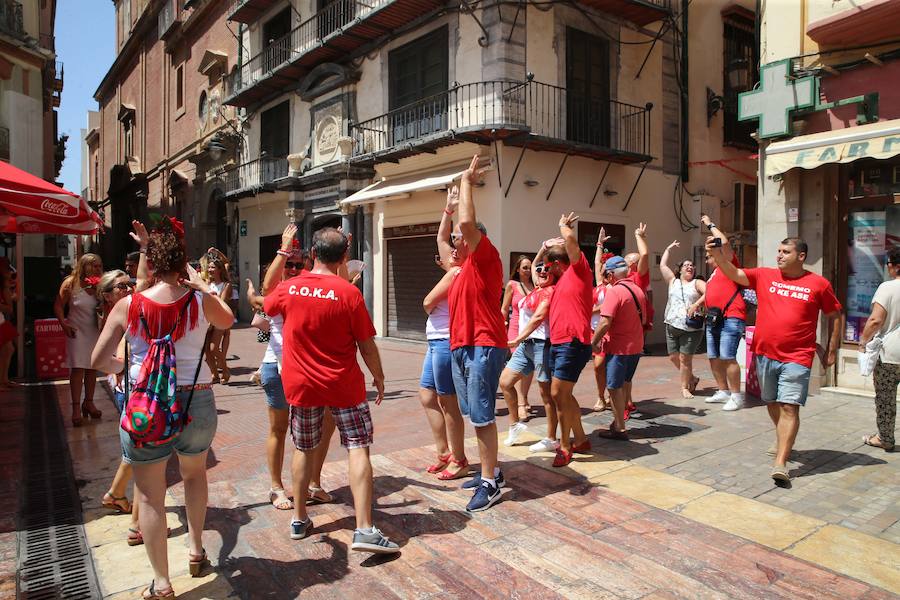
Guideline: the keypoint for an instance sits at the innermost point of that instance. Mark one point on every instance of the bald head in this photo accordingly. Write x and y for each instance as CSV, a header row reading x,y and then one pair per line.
x,y
632,259
330,246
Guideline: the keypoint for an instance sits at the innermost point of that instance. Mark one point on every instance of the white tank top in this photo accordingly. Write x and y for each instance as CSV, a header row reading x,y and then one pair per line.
x,y
681,296
437,327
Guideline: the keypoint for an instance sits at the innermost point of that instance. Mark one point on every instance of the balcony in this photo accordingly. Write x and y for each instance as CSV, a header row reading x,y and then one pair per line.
x,y
248,11
253,177
639,12
336,30
537,115
11,22
58,76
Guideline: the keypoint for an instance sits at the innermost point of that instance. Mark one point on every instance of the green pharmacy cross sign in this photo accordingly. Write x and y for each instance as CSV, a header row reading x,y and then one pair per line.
x,y
778,95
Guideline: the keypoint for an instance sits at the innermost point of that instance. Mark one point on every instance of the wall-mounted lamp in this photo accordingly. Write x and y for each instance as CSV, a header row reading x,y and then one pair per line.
x,y
609,193
738,73
531,182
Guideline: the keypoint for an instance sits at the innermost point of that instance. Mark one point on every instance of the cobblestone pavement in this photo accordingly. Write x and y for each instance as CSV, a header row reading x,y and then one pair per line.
x,y
685,509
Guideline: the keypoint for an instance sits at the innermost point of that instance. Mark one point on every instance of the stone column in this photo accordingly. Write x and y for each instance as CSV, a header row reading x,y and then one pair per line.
x,y
368,243
347,214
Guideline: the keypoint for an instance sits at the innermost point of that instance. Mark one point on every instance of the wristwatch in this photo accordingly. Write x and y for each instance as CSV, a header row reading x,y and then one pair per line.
x,y
710,225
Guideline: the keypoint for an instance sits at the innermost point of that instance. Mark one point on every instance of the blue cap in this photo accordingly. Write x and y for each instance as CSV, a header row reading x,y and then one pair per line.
x,y
616,262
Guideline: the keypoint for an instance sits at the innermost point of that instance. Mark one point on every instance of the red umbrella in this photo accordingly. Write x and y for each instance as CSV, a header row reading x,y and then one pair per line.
x,y
28,204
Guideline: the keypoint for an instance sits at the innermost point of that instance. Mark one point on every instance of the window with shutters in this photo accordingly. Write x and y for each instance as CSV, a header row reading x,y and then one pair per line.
x,y
418,76
276,47
739,50
275,131
587,88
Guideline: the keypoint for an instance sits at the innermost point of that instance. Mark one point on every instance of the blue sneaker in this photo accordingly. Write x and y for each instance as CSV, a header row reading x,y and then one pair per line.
x,y
476,481
485,497
299,529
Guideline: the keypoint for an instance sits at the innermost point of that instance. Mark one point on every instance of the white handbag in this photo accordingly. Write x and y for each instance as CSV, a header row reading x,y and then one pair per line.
x,y
868,356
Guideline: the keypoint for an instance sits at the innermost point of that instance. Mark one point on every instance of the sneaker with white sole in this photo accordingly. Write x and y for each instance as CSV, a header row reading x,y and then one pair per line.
x,y
299,529
736,402
373,541
484,497
515,432
719,396
545,445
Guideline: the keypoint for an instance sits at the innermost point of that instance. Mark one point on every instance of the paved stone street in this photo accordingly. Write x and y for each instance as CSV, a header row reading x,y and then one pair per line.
x,y
685,509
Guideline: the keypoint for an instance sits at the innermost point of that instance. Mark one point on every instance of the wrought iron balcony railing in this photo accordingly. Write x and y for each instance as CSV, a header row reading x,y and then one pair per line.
x,y
11,21
254,175
307,36
515,109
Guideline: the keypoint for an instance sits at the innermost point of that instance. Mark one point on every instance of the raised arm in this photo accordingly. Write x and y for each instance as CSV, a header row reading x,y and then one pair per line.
x,y
140,235
276,267
717,233
445,246
567,232
467,220
728,269
537,318
372,358
539,257
599,269
664,268
440,290
640,238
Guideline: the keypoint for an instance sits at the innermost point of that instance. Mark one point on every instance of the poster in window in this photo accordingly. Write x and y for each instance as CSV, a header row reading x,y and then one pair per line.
x,y
868,238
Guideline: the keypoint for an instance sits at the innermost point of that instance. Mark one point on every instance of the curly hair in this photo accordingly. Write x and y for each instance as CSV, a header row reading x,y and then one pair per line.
x,y
165,251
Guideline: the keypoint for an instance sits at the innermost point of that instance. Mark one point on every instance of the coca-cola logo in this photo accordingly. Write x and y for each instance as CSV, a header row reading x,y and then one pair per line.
x,y
57,208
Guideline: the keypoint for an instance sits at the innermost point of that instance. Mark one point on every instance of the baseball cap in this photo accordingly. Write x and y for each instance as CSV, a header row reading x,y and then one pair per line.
x,y
616,262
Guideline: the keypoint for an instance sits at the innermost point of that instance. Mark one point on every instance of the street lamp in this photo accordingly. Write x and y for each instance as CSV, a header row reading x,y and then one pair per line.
x,y
738,73
216,148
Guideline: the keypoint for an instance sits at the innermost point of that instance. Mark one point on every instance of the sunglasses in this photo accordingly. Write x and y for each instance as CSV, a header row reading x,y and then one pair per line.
x,y
541,268
293,265
125,285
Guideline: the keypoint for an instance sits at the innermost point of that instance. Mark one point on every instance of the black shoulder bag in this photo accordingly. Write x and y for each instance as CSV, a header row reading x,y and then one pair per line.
x,y
715,317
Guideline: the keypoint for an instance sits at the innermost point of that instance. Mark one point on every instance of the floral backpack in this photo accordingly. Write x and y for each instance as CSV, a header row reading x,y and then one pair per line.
x,y
153,414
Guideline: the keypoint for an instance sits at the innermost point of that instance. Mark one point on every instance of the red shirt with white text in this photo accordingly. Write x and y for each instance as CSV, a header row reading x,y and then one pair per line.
x,y
324,318
788,313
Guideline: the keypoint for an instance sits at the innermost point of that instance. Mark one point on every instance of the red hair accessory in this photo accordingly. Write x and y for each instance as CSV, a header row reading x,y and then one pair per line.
x,y
91,281
177,226
607,255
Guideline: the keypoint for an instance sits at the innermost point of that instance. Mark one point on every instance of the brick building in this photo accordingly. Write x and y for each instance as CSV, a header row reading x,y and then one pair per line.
x,y
163,136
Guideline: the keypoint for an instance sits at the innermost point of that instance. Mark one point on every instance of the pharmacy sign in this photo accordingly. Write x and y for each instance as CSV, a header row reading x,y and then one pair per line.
x,y
778,95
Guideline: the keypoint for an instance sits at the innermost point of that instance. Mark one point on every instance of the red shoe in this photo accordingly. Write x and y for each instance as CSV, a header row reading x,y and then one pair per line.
x,y
562,458
629,408
440,465
582,448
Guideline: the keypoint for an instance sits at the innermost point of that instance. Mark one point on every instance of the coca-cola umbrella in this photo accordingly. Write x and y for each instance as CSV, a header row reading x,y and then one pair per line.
x,y
28,204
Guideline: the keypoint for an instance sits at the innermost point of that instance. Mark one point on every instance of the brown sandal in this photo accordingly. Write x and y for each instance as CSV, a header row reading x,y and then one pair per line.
x,y
197,566
121,505
318,496
150,593
868,440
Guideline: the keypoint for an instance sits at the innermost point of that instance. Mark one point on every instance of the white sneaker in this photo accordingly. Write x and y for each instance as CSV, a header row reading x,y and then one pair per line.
x,y
719,396
545,445
515,432
736,402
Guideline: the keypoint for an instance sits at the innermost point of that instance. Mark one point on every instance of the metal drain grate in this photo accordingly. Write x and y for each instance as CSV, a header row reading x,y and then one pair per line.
x,y
53,557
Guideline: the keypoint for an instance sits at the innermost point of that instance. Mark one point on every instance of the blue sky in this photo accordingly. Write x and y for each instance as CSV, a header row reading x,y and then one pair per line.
x,y
85,43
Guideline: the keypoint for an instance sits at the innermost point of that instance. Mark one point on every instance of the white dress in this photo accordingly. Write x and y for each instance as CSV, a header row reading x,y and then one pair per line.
x,y
83,317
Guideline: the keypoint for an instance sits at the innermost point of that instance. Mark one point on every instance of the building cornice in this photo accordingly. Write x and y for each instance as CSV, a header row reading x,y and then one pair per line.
x,y
146,22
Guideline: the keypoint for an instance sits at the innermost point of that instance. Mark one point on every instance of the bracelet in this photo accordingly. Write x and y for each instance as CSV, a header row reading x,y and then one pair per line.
x,y
448,212
710,226
283,253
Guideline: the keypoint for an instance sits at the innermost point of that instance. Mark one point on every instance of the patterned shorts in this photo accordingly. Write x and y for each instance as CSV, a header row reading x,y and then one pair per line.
x,y
353,423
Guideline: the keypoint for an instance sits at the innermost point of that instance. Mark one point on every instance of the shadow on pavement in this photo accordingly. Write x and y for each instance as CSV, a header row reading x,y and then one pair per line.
x,y
817,462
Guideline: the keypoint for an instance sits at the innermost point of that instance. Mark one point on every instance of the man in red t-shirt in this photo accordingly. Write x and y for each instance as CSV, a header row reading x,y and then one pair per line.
x,y
726,321
325,321
622,320
570,335
477,332
639,272
790,299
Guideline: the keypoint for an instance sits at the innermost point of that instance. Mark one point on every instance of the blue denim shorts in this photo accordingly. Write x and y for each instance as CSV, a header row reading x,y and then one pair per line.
x,y
476,376
194,439
568,360
437,372
620,369
787,383
119,399
532,356
271,384
722,342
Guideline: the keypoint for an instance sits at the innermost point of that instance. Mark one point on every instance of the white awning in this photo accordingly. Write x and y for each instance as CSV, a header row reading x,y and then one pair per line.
x,y
873,140
401,187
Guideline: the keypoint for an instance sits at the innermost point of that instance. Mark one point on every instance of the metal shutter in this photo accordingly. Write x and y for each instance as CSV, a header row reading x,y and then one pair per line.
x,y
411,273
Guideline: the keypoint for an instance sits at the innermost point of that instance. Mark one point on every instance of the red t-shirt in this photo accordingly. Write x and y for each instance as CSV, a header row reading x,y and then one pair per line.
x,y
475,294
324,318
788,313
720,289
626,334
643,281
570,308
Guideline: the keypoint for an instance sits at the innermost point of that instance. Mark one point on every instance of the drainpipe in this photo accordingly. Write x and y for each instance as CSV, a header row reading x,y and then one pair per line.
x,y
368,240
685,97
